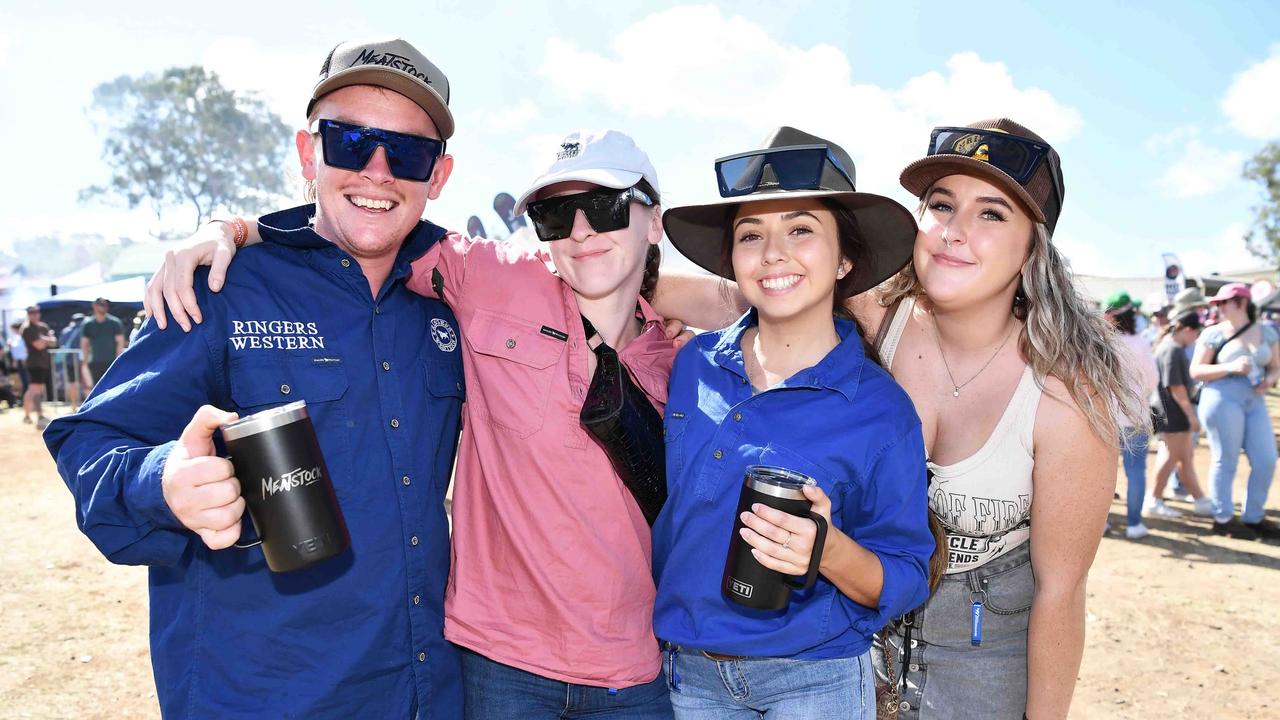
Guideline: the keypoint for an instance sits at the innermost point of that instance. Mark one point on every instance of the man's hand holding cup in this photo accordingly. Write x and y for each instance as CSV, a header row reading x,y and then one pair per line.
x,y
201,488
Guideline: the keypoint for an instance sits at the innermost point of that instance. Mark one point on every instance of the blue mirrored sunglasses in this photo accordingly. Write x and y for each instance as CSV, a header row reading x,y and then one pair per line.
x,y
349,147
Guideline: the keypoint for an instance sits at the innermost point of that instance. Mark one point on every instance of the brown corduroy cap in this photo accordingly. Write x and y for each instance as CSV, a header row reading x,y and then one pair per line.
x,y
389,63
959,157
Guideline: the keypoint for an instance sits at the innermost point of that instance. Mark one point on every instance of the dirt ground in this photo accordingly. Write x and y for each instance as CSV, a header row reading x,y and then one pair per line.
x,y
1181,624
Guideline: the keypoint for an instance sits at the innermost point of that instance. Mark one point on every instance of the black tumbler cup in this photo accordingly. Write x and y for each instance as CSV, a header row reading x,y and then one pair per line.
x,y
286,486
745,580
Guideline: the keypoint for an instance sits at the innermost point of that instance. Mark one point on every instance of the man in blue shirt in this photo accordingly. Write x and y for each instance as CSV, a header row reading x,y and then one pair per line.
x,y
317,312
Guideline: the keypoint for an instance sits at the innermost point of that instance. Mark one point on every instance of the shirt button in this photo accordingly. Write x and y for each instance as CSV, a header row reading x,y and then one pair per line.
x,y
386,365
511,343
744,381
422,657
717,454
346,262
737,417
377,311
285,389
395,423
405,480
413,540
417,599
914,667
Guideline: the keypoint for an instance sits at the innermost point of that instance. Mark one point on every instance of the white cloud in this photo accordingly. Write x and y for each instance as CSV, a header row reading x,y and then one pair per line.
x,y
1252,103
283,79
1174,137
1085,257
730,71
1223,254
6,43
1202,170
506,120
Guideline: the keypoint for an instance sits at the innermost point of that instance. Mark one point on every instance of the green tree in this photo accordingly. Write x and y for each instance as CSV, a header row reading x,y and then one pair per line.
x,y
1263,238
182,139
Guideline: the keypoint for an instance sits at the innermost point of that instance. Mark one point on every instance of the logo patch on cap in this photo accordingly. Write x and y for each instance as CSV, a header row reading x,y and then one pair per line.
x,y
369,56
965,145
568,150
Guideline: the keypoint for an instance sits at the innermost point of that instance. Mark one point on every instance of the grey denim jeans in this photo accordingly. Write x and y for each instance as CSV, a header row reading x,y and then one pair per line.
x,y
949,677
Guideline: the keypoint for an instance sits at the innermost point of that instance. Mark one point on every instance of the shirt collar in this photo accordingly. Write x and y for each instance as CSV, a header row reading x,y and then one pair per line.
x,y
840,370
293,228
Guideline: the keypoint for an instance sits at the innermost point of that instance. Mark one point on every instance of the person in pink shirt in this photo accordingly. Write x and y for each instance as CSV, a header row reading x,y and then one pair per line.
x,y
550,593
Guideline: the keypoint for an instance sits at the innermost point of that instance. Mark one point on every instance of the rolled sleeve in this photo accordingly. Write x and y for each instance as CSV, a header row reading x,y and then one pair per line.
x,y
893,523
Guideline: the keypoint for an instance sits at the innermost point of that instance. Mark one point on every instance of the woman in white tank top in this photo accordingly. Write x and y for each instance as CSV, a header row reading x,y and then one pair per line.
x,y
1015,380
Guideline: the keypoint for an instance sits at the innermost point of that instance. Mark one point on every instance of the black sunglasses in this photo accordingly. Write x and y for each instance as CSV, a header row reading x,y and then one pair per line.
x,y
798,167
410,157
1018,157
606,210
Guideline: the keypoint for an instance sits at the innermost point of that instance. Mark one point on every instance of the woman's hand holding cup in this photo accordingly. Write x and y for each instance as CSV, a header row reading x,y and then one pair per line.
x,y
784,542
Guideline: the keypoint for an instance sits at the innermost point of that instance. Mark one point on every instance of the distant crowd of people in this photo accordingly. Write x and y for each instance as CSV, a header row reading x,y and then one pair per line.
x,y
26,356
1207,366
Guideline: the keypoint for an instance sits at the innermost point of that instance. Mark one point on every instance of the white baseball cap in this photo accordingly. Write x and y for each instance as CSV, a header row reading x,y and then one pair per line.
x,y
608,158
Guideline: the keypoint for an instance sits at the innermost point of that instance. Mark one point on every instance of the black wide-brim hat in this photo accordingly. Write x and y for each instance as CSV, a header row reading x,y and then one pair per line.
x,y
888,229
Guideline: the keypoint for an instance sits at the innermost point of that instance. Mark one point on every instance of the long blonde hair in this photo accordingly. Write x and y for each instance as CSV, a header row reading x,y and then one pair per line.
x,y
1063,337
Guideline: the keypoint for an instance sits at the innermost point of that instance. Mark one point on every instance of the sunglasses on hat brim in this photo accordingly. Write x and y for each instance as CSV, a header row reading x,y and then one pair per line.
x,y
798,167
349,147
1017,157
606,210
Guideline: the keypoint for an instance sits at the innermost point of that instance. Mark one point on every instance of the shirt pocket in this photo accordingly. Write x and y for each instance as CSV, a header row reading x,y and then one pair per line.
x,y
516,365
788,459
444,379
259,384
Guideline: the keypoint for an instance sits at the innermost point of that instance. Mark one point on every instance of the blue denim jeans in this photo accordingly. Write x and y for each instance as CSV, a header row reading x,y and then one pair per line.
x,y
493,690
947,676
774,688
1234,418
1135,470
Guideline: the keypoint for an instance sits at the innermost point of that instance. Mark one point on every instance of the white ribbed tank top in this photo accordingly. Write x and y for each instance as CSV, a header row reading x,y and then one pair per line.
x,y
984,500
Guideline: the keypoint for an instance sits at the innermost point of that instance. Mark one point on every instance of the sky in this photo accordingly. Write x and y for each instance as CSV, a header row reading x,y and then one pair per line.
x,y
1154,107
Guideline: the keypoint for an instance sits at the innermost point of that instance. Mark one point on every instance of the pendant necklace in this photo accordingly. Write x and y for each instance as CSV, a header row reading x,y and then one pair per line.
x,y
957,387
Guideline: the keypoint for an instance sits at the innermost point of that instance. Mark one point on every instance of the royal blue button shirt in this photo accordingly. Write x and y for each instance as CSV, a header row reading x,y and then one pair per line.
x,y
845,423
358,635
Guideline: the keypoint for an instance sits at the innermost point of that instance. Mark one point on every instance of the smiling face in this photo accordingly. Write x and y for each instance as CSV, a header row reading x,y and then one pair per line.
x,y
599,265
973,241
369,212
786,257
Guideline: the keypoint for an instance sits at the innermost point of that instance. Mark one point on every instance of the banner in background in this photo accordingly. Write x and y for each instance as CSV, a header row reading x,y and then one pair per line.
x,y
1174,279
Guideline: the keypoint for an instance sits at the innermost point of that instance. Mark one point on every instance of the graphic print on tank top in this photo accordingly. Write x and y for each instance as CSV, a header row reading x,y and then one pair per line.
x,y
984,501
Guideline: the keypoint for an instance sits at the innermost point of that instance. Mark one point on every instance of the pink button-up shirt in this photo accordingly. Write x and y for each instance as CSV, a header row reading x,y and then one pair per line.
x,y
551,555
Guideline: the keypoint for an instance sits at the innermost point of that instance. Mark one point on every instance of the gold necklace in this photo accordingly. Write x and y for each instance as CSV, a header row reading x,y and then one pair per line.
x,y
955,388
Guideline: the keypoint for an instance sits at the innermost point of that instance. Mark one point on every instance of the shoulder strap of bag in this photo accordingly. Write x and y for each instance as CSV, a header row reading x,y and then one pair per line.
x,y
1214,359
886,322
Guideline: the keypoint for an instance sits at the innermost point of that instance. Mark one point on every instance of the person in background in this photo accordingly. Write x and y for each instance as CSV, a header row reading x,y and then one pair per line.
x,y
1188,300
101,341
1239,361
1120,310
1159,321
18,354
39,339
1174,418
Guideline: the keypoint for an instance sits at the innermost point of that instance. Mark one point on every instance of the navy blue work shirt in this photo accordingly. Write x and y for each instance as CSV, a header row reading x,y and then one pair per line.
x,y
843,422
359,635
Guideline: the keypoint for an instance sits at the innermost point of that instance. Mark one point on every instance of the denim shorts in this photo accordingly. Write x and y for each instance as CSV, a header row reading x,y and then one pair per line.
x,y
949,677
704,688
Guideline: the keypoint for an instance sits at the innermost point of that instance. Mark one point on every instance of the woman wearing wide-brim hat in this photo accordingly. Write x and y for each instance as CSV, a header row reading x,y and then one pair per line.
x,y
1022,393
790,384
